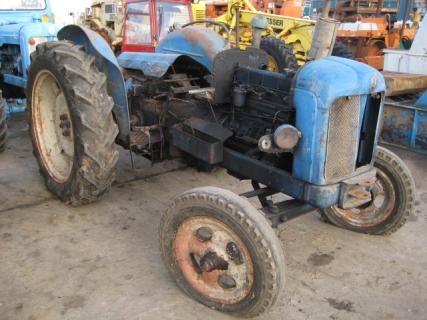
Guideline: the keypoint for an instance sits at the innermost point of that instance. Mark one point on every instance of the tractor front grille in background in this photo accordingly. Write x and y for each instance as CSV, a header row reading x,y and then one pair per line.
x,y
343,135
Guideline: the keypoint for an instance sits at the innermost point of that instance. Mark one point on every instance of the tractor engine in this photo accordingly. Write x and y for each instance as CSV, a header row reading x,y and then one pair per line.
x,y
257,108
10,63
10,60
263,117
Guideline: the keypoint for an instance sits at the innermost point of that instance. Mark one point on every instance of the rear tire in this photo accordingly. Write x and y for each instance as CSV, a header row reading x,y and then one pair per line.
x,y
398,193
281,55
3,126
71,122
259,271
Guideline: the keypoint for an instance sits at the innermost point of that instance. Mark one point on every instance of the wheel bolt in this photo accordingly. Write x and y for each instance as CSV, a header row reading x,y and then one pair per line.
x,y
211,261
204,234
226,281
234,253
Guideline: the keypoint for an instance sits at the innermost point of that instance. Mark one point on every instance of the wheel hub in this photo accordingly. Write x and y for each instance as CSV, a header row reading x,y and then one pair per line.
x,y
377,210
52,126
214,260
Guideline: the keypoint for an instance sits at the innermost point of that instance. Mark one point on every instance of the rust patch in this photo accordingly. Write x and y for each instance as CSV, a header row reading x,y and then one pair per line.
x,y
201,38
189,251
402,83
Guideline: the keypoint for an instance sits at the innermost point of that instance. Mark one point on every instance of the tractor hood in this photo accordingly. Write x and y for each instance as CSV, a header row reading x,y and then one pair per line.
x,y
12,33
334,95
14,17
22,16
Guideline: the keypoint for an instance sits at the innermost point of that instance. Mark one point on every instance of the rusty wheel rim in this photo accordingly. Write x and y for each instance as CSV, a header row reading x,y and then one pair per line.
x,y
196,254
272,64
52,126
378,210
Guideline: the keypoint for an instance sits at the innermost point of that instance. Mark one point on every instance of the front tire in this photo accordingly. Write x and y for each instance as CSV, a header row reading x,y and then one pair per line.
x,y
393,200
71,122
222,252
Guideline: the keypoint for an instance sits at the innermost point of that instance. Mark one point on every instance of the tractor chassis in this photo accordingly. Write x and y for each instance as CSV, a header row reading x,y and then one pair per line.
x,y
306,196
279,212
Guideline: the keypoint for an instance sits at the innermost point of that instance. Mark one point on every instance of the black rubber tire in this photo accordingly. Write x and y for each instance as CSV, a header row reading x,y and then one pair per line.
x,y
249,224
280,52
94,129
3,126
404,187
341,50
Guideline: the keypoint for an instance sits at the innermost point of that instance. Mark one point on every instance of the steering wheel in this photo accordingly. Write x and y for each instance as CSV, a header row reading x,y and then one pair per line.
x,y
219,24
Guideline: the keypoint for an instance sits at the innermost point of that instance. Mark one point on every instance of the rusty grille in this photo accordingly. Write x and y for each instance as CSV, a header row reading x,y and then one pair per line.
x,y
343,135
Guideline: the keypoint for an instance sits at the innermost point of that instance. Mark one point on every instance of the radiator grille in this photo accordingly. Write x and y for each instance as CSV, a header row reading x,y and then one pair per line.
x,y
343,135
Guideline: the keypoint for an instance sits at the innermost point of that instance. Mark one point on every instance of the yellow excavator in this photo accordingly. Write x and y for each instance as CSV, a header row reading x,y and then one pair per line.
x,y
286,39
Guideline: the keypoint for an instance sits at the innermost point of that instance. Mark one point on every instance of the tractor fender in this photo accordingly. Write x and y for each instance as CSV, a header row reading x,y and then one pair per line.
x,y
198,43
156,65
106,63
150,64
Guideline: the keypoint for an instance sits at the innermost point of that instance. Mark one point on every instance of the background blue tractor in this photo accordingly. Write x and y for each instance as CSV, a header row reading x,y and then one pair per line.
x,y
23,25
310,135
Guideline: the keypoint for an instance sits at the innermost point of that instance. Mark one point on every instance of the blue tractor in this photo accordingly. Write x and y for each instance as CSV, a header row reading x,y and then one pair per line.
x,y
310,135
23,25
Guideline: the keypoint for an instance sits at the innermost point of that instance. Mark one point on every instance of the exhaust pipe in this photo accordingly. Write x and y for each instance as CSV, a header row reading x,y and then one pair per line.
x,y
324,35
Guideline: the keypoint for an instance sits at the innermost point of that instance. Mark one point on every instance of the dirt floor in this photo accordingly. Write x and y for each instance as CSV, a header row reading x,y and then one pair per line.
x,y
102,261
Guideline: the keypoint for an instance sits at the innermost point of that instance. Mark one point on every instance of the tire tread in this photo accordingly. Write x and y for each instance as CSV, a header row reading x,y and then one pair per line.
x,y
96,129
256,225
386,158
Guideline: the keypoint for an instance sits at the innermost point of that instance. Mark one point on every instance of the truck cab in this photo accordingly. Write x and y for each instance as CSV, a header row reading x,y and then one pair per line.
x,y
149,21
23,25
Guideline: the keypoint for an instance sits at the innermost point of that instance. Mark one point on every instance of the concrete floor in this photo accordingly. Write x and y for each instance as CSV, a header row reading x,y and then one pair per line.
x,y
102,261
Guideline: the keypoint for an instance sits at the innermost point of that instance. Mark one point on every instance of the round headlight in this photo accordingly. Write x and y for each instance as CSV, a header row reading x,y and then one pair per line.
x,y
286,136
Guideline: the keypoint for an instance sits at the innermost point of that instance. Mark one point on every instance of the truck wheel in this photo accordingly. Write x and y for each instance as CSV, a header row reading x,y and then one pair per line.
x,y
71,123
3,126
393,200
222,252
341,50
280,55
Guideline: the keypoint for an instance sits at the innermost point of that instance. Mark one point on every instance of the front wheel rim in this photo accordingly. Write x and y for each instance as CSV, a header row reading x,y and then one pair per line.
x,y
203,243
378,210
52,126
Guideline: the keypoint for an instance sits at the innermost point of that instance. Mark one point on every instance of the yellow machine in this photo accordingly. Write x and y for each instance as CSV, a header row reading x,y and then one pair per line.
x,y
294,32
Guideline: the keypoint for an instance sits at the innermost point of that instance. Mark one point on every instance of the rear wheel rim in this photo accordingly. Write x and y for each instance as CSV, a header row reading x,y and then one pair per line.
x,y
52,126
190,251
378,210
